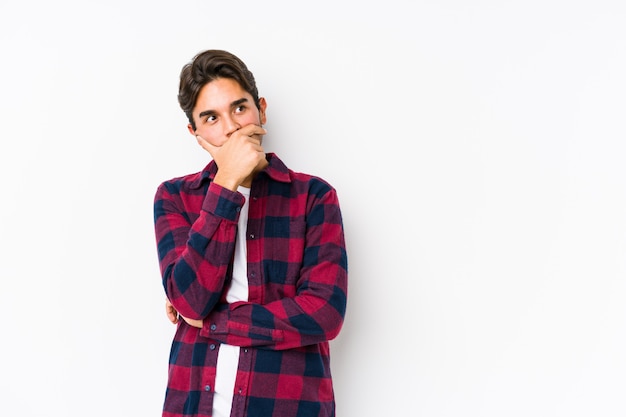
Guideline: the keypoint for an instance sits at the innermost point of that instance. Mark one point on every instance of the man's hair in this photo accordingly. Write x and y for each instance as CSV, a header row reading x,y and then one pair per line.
x,y
207,66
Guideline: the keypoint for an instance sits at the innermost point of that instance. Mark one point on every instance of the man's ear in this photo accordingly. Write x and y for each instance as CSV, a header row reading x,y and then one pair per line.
x,y
191,129
262,107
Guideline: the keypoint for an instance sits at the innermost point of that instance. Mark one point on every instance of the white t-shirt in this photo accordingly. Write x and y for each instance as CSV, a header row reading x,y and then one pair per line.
x,y
228,356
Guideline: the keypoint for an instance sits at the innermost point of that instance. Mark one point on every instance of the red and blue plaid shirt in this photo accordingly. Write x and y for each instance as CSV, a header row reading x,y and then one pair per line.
x,y
297,278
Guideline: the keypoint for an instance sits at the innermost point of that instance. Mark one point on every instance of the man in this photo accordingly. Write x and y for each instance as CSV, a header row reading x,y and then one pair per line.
x,y
253,261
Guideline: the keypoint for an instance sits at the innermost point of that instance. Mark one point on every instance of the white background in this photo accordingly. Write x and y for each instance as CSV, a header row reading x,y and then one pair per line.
x,y
477,148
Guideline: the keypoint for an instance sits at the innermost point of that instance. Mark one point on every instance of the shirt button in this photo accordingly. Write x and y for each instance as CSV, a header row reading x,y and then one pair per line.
x,y
207,388
212,346
251,235
213,327
238,209
253,274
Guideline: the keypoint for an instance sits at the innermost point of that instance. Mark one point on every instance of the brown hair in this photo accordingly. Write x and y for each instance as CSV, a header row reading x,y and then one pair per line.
x,y
207,66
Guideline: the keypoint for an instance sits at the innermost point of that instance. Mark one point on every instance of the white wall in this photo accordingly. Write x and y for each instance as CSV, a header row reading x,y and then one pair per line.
x,y
477,148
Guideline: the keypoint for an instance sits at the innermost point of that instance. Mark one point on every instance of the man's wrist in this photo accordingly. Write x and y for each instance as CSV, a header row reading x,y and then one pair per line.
x,y
226,182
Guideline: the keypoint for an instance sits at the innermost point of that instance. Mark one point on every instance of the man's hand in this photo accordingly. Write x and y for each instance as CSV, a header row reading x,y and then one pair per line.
x,y
171,312
239,157
174,317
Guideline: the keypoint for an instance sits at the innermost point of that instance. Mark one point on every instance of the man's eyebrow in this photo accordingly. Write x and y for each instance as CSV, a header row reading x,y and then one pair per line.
x,y
206,113
232,105
238,102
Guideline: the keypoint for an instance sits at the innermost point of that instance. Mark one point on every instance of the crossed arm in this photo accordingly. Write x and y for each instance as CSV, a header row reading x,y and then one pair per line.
x,y
194,261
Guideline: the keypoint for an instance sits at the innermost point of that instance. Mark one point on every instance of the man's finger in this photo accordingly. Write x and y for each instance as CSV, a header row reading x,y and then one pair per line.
x,y
205,143
253,130
171,312
211,149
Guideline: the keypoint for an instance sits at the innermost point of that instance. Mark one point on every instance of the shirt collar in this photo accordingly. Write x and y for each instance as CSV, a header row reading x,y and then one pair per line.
x,y
276,170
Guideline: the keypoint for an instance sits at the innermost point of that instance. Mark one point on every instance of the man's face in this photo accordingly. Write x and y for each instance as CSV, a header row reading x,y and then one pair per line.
x,y
222,108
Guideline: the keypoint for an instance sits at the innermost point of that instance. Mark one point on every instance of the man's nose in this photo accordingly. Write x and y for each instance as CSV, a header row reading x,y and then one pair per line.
x,y
231,126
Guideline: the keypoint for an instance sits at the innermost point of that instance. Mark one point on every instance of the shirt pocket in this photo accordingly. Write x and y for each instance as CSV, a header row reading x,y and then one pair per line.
x,y
284,250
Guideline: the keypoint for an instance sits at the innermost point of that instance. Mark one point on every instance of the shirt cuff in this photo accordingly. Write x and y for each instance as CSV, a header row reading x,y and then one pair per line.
x,y
223,202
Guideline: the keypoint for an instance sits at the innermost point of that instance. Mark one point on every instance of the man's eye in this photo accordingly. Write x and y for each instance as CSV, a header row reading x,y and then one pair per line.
x,y
239,109
210,118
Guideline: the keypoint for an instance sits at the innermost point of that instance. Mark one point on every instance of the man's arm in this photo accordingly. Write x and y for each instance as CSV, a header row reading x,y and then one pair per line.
x,y
314,313
194,257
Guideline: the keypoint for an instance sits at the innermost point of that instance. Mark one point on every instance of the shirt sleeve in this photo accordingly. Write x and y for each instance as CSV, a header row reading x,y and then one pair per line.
x,y
194,256
315,313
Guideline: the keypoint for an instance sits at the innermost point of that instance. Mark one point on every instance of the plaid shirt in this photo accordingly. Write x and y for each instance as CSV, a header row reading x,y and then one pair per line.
x,y
297,277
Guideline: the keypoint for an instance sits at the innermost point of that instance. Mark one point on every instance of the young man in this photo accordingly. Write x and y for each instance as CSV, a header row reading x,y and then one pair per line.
x,y
253,262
